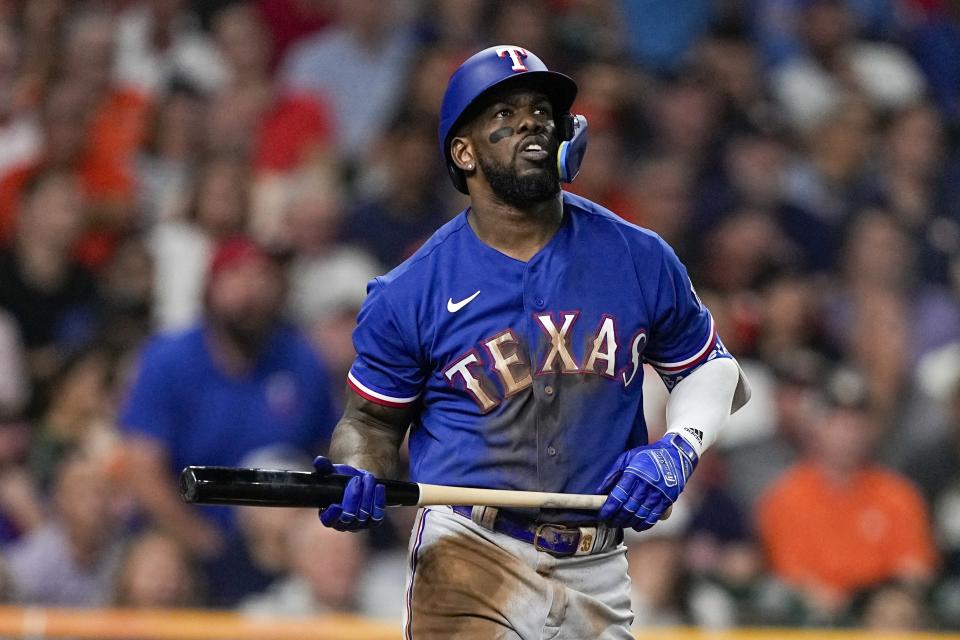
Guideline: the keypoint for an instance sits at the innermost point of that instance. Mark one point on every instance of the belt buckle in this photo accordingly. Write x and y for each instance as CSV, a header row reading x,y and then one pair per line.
x,y
558,531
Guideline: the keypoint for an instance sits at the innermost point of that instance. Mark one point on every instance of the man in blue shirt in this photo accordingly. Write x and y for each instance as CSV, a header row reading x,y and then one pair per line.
x,y
239,381
511,346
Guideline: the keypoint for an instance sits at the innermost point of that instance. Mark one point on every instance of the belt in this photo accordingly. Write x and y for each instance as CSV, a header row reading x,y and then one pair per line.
x,y
556,539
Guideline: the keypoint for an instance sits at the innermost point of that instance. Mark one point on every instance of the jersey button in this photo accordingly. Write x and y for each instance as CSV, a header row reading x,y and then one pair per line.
x,y
551,451
539,302
548,390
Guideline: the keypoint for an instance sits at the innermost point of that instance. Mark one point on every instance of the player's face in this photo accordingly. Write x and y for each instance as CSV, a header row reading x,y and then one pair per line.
x,y
515,142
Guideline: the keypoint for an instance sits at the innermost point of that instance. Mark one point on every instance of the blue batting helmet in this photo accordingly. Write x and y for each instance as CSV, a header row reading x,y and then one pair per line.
x,y
491,68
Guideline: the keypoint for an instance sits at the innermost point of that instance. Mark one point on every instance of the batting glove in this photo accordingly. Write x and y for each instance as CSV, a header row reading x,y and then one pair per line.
x,y
645,481
364,500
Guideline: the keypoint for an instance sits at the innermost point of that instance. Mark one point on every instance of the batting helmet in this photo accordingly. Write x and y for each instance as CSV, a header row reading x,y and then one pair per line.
x,y
491,68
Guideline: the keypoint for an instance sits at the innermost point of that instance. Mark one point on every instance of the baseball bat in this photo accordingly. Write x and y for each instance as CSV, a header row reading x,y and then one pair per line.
x,y
274,488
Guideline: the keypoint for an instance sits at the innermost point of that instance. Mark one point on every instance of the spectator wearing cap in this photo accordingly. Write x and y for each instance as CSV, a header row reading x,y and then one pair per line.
x,y
837,522
239,380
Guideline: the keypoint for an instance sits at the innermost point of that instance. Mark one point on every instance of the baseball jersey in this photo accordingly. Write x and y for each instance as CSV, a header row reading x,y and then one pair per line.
x,y
528,374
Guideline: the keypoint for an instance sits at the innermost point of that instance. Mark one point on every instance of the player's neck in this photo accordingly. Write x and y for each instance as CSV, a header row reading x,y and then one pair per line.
x,y
518,233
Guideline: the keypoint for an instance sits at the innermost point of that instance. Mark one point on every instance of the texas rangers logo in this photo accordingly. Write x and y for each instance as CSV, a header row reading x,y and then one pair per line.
x,y
516,54
506,358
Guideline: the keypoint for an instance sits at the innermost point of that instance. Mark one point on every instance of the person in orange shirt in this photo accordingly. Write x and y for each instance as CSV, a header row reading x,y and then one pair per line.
x,y
837,522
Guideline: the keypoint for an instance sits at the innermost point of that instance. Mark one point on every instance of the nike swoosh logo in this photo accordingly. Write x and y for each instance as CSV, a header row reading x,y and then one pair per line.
x,y
453,307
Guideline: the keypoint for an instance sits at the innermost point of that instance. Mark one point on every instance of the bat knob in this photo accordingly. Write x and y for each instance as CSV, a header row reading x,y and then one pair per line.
x,y
188,485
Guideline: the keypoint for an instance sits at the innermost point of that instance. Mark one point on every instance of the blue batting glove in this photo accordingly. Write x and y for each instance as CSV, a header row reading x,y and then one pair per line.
x,y
364,500
645,481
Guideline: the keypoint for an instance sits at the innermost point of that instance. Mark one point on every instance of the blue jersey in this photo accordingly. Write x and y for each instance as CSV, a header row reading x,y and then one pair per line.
x,y
205,417
528,374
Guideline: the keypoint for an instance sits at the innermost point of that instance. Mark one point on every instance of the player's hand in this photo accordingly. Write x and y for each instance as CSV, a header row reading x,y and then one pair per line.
x,y
645,481
364,500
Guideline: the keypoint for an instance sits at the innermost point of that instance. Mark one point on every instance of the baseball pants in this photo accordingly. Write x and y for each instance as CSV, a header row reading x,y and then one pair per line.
x,y
465,581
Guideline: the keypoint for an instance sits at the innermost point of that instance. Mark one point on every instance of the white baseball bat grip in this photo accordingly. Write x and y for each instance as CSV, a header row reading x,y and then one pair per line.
x,y
435,494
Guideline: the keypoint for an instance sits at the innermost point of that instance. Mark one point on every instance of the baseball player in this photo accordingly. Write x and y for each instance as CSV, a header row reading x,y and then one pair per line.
x,y
511,346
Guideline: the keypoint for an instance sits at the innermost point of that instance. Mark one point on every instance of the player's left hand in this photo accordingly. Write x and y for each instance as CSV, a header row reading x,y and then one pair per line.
x,y
645,481
364,499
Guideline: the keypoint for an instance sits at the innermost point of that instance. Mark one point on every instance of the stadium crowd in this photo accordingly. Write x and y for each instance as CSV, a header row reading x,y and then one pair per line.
x,y
193,196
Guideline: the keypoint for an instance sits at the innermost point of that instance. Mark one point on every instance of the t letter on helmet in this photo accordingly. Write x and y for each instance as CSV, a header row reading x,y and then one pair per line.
x,y
491,68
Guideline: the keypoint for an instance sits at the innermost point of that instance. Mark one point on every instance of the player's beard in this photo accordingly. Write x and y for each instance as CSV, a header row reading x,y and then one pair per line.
x,y
521,191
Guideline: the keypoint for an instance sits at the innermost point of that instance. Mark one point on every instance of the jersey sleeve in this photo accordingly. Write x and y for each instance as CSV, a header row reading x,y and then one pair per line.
x,y
386,369
683,335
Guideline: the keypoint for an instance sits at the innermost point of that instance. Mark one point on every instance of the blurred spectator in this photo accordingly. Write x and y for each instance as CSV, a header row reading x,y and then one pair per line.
x,y
328,278
730,64
913,184
660,35
742,249
72,559
936,469
824,184
880,301
750,173
14,381
776,24
659,188
116,129
290,128
91,129
755,460
181,247
159,40
19,130
257,551
78,417
360,66
126,292
685,116
838,522
65,117
170,152
657,581
520,21
934,40
51,296
280,130
590,29
891,607
835,63
325,569
156,573
459,24
406,206
238,380
291,20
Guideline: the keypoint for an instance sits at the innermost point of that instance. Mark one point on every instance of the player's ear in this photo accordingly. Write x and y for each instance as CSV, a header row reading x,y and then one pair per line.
x,y
462,154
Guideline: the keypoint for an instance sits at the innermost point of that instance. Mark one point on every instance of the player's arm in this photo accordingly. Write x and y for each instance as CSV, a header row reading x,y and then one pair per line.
x,y
706,386
646,480
365,444
368,436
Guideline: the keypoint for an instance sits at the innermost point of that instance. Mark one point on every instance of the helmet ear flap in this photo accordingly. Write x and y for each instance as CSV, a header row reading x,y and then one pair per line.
x,y
565,126
573,145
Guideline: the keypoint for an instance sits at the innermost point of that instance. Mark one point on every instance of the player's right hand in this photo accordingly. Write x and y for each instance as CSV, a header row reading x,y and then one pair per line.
x,y
364,500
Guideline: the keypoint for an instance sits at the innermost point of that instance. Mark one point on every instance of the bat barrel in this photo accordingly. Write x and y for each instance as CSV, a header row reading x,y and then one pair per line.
x,y
275,488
